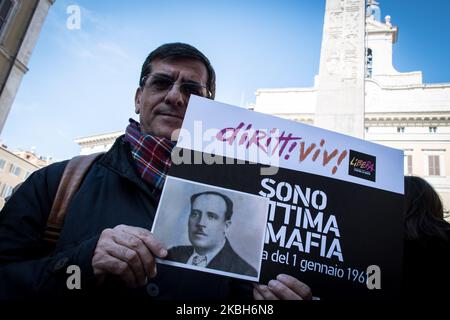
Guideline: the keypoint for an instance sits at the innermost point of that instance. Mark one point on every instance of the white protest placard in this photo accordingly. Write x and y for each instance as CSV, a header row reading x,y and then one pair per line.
x,y
334,207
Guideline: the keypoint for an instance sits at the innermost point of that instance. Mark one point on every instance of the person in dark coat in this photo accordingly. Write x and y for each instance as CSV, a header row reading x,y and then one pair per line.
x,y
106,227
208,224
426,259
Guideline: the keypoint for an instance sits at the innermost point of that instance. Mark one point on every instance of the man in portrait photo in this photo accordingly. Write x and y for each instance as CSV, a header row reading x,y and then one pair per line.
x,y
208,225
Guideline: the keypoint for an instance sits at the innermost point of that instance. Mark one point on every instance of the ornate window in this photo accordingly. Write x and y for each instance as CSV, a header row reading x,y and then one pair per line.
x,y
6,191
408,164
434,168
15,170
369,63
6,7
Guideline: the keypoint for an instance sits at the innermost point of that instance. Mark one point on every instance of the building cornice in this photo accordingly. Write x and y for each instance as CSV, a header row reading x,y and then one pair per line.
x,y
98,139
444,85
17,62
400,119
19,158
285,90
407,119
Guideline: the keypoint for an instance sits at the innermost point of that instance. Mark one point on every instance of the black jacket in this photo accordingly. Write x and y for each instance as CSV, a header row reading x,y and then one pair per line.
x,y
111,194
426,268
226,260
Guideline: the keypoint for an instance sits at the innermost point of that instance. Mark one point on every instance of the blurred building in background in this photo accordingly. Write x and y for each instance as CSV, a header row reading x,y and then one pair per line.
x,y
16,167
400,110
98,143
20,24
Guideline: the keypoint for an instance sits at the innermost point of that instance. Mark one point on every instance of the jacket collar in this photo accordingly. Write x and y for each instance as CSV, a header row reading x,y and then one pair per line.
x,y
119,160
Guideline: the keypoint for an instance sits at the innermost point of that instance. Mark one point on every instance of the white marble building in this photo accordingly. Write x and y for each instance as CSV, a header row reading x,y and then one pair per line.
x,y
98,143
400,110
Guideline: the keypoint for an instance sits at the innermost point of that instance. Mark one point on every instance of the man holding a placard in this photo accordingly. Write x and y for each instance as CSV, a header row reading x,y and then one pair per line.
x,y
106,227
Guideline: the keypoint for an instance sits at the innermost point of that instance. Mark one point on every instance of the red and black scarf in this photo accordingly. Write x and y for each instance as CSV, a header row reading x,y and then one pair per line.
x,y
151,154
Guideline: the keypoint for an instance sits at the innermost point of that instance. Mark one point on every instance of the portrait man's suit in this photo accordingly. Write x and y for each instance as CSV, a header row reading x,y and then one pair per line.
x,y
226,260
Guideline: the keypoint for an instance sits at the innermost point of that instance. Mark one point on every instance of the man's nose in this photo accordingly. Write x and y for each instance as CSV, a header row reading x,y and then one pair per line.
x,y
202,220
175,97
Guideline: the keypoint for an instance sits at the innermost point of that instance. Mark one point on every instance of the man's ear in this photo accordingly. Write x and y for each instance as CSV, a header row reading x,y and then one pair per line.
x,y
227,225
137,100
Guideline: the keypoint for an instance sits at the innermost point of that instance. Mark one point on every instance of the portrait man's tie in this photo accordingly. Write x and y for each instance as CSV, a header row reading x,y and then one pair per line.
x,y
199,261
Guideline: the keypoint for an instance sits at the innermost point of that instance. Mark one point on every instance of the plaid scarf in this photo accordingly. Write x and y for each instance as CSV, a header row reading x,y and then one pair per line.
x,y
151,154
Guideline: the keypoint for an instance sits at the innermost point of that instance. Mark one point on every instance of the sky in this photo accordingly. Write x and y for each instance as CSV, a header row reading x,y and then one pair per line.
x,y
82,82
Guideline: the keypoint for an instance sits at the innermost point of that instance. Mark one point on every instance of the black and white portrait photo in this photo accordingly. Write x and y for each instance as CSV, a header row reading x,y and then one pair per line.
x,y
212,229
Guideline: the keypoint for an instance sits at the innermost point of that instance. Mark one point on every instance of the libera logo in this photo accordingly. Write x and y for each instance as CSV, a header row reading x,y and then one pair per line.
x,y
362,165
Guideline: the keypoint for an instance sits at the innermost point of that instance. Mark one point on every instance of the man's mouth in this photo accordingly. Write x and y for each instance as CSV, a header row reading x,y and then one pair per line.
x,y
170,114
200,233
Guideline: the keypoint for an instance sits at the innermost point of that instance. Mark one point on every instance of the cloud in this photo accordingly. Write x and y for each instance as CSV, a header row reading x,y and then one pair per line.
x,y
98,41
